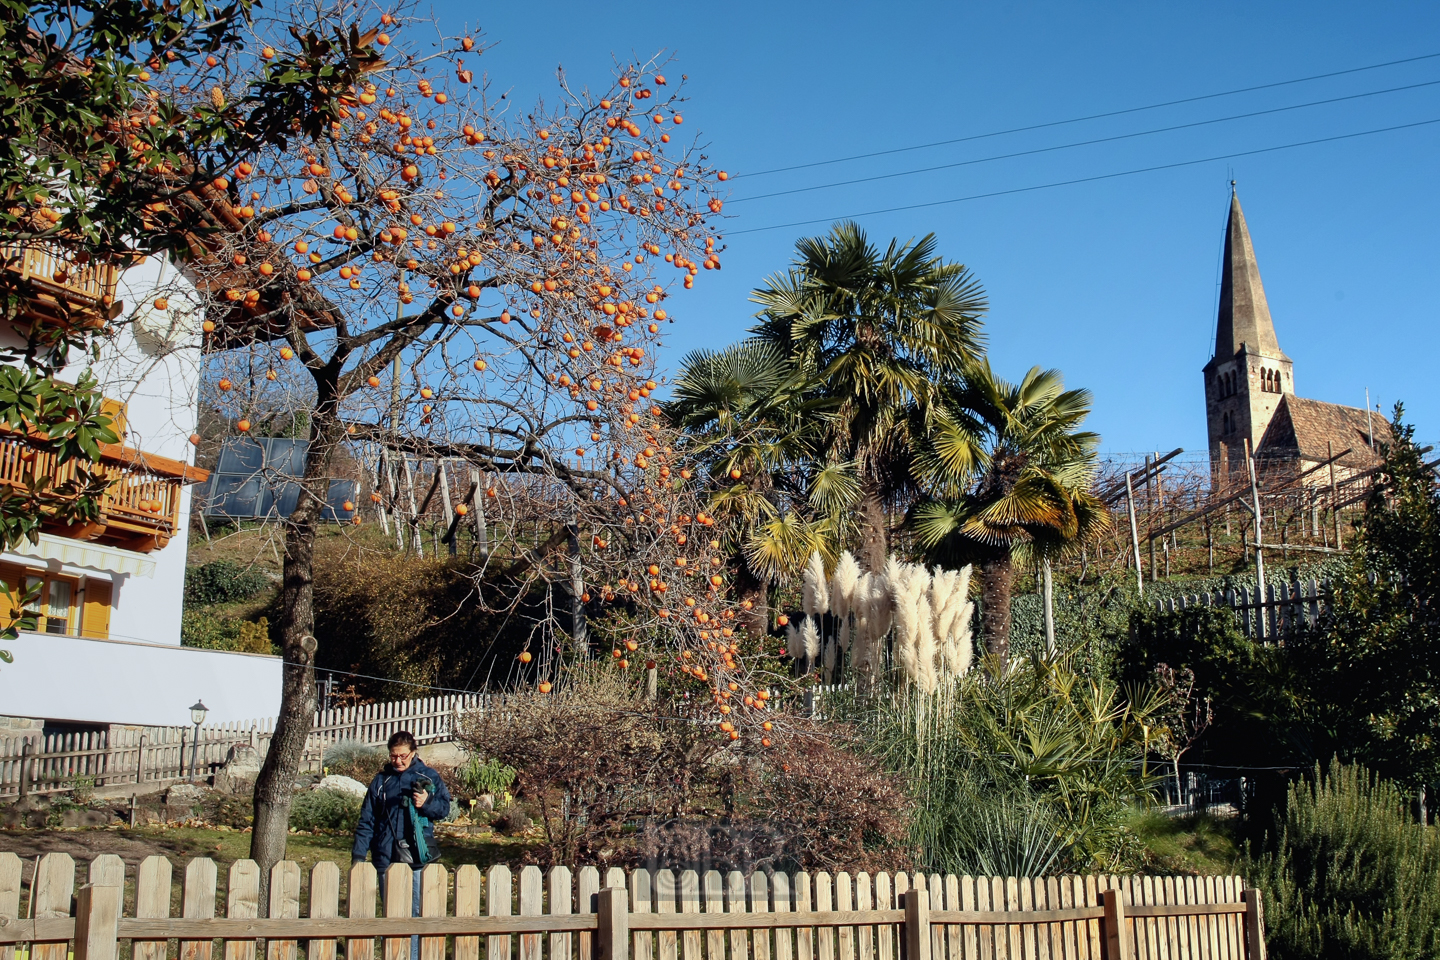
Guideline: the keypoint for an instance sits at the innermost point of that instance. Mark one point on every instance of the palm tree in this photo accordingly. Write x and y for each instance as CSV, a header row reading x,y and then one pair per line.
x,y
760,439
1007,469
878,334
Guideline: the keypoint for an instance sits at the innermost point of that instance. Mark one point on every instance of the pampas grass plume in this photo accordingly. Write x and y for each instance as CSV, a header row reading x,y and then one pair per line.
x,y
815,595
810,637
844,584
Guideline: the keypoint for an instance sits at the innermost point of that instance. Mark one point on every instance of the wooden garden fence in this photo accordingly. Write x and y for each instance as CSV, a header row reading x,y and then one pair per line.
x,y
1285,607
155,756
587,914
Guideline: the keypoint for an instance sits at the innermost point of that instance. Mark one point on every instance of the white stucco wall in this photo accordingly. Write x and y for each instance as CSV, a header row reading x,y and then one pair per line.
x,y
100,681
152,364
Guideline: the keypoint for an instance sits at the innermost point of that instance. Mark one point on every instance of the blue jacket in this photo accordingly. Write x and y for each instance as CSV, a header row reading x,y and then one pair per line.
x,y
385,815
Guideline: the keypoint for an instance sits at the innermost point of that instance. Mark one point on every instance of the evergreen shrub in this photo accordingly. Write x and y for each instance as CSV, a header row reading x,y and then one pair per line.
x,y
223,581
325,810
353,759
1347,873
201,628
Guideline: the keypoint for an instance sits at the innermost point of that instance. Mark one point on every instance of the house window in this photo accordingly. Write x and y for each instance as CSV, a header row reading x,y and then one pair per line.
x,y
54,606
62,606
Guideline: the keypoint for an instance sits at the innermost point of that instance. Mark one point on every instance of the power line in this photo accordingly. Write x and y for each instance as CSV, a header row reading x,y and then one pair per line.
x,y
1102,176
1084,143
1093,116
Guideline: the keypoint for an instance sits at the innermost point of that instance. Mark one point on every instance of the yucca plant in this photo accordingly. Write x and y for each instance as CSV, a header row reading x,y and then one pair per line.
x,y
1033,764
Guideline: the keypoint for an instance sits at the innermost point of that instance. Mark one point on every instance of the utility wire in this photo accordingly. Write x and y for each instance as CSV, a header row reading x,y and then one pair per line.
x,y
1093,116
1083,143
1101,176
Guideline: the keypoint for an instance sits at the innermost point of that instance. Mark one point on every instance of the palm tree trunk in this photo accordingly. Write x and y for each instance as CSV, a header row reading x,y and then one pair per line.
x,y
750,588
997,580
874,535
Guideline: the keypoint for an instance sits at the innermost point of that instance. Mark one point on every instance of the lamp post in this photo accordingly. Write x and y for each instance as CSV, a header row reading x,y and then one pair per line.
x,y
197,717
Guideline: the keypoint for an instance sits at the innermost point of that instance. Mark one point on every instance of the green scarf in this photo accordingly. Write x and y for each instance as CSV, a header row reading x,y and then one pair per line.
x,y
417,823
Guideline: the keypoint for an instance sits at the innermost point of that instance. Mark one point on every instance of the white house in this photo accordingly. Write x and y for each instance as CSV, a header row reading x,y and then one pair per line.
x,y
107,648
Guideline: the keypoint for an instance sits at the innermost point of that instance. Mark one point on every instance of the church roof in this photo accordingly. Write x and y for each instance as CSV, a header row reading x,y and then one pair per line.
x,y
1311,429
1244,316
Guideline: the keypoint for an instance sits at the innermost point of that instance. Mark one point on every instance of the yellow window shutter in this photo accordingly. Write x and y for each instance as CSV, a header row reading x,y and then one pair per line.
x,y
95,622
11,576
115,410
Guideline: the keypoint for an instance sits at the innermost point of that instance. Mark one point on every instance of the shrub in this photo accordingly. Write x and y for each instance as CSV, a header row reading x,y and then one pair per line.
x,y
595,758
1347,873
414,620
353,759
998,759
201,628
325,810
475,777
223,581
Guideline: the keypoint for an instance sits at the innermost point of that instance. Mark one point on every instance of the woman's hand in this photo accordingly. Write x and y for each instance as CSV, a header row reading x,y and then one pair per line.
x,y
421,798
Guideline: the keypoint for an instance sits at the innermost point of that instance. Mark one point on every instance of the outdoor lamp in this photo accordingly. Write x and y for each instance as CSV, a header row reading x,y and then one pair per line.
x,y
197,716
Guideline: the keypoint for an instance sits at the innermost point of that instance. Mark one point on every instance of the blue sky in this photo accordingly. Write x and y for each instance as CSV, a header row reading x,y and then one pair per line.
x,y
1113,281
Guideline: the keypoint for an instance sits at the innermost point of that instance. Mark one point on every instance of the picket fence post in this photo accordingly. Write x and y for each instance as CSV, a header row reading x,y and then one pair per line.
x,y
97,923
917,924
612,936
1254,925
1115,944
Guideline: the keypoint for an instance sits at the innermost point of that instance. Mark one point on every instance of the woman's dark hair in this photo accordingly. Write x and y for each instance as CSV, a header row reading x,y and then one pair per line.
x,y
402,736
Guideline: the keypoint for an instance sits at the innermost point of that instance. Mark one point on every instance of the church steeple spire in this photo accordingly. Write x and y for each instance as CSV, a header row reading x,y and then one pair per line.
x,y
1244,316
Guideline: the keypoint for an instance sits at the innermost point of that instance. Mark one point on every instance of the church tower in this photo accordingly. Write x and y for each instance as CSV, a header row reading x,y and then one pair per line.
x,y
1249,375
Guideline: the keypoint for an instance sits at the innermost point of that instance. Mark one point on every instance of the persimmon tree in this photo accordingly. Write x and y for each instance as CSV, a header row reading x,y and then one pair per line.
x,y
436,272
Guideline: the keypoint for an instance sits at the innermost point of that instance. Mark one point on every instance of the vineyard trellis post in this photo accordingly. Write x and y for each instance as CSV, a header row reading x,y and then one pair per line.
x,y
1049,607
1134,532
1259,539
1334,496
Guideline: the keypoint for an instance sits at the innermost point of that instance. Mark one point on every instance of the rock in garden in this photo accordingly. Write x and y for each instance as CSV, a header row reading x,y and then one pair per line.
x,y
344,784
182,794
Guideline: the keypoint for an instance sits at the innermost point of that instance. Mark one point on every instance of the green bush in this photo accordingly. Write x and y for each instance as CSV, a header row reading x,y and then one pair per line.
x,y
223,581
1033,770
1347,873
201,628
353,759
490,776
325,810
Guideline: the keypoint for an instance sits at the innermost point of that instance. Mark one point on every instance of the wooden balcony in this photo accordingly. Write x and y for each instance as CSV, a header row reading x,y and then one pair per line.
x,y
59,289
140,510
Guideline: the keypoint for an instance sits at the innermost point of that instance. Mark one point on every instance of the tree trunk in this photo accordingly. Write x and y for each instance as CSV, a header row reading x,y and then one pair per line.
x,y
274,787
874,536
750,588
997,579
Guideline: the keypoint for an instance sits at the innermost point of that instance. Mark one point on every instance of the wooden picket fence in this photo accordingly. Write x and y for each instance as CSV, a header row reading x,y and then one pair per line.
x,y
661,915
1286,607
155,756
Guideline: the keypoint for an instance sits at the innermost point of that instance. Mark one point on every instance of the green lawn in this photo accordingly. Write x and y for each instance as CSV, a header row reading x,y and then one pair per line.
x,y
1196,844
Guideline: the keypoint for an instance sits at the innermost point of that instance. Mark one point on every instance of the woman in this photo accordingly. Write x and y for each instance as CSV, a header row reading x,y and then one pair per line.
x,y
387,829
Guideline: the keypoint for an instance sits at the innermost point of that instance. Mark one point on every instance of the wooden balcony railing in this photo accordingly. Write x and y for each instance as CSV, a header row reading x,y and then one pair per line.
x,y
60,289
140,510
